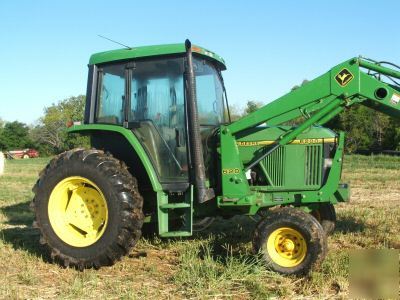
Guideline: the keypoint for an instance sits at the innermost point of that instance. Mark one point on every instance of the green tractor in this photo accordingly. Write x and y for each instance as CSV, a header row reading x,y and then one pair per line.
x,y
165,152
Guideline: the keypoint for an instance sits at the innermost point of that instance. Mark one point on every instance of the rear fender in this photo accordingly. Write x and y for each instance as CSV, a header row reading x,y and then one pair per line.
x,y
98,130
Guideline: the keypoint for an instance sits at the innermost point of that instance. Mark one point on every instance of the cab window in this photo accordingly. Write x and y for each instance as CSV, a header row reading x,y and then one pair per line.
x,y
157,107
111,95
210,93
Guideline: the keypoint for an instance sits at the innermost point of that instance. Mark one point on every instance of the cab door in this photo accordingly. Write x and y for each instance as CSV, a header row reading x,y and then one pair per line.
x,y
156,115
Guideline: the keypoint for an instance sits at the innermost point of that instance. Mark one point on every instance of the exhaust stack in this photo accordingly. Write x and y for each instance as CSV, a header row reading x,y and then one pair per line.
x,y
199,176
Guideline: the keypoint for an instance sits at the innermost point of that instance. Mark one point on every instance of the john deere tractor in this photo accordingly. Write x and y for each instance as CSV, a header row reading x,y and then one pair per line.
x,y
165,152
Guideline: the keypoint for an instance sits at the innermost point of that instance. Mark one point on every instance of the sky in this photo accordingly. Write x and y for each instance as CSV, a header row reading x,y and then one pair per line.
x,y
268,46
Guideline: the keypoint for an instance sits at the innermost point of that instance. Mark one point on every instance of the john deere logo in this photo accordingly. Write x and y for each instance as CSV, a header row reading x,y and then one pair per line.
x,y
344,77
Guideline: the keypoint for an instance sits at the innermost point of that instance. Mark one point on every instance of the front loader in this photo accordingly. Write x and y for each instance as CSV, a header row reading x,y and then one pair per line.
x,y
165,152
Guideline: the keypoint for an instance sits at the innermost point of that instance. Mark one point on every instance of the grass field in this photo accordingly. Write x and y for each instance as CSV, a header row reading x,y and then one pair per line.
x,y
216,264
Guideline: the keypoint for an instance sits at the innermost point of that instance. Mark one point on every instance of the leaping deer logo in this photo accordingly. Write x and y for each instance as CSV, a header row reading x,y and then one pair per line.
x,y
344,77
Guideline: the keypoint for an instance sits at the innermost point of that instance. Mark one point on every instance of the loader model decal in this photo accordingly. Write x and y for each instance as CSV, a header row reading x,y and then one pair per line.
x,y
300,141
344,77
230,171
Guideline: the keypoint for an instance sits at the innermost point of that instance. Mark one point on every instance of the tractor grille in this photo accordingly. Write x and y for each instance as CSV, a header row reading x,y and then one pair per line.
x,y
274,165
313,170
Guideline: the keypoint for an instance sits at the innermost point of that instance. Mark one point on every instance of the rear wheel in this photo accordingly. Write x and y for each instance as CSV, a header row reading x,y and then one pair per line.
x,y
326,216
290,241
87,208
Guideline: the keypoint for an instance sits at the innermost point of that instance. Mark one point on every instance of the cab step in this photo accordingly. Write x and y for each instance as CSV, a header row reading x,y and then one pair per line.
x,y
175,205
176,233
166,211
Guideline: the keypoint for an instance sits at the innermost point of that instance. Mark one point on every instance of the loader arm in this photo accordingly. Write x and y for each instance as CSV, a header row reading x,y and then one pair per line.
x,y
318,101
324,97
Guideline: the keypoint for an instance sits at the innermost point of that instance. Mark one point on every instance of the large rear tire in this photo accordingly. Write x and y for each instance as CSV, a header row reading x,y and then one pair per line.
x,y
88,209
290,241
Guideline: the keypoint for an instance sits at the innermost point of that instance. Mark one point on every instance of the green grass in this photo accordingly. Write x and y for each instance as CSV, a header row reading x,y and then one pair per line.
x,y
217,264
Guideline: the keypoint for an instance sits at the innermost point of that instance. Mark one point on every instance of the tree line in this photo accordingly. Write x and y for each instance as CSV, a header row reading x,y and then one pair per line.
x,y
365,129
49,134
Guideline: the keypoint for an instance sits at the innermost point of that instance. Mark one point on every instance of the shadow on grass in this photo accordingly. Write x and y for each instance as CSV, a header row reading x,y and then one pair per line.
x,y
349,224
20,233
223,238
18,214
228,238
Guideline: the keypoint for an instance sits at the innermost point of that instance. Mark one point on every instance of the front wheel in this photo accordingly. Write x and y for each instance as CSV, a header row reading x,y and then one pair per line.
x,y
290,241
87,208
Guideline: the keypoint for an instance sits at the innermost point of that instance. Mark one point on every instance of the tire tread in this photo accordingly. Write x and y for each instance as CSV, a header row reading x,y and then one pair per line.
x,y
130,201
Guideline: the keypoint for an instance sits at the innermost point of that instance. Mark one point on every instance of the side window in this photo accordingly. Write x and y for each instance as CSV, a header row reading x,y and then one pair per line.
x,y
210,94
111,95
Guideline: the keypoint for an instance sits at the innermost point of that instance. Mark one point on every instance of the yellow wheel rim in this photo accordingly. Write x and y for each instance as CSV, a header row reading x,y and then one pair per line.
x,y
286,247
78,211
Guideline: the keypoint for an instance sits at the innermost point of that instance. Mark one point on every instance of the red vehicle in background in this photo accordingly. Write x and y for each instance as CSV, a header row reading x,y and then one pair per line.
x,y
26,153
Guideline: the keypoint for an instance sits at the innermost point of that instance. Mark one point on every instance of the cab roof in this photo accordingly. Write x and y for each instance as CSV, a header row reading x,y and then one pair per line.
x,y
155,50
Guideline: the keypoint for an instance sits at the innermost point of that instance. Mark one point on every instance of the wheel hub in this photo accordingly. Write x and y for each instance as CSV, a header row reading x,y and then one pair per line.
x,y
287,247
78,211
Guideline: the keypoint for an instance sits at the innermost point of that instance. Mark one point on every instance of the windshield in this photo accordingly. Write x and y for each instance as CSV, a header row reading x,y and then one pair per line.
x,y
210,93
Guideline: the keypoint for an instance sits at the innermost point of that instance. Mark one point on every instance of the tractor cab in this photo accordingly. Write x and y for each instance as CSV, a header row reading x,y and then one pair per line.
x,y
144,89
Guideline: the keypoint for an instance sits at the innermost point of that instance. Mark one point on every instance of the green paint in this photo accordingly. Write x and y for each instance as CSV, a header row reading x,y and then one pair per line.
x,y
164,209
148,51
297,172
289,176
133,141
